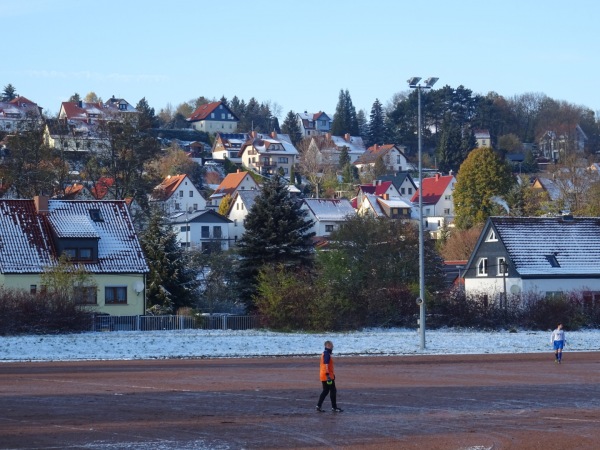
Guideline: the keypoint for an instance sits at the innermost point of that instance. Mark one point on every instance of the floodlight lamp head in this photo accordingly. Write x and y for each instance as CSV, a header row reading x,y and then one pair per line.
x,y
429,82
412,82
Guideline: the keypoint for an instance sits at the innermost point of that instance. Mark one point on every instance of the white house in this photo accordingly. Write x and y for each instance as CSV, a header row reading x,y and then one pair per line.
x,y
177,193
543,255
327,214
241,203
438,201
19,113
206,229
328,147
314,124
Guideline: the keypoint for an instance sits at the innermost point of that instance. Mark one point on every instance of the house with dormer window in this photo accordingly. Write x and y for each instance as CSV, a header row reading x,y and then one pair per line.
x,y
206,230
19,113
391,208
542,255
241,203
176,194
314,124
228,145
269,154
328,148
392,156
382,189
215,117
98,235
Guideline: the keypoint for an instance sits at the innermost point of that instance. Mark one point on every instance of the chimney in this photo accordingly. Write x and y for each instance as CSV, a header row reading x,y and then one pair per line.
x,y
238,171
375,147
437,176
253,134
41,204
347,137
374,182
274,134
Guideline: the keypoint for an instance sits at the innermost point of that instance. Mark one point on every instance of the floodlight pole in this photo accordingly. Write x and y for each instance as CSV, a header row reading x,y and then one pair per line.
x,y
413,83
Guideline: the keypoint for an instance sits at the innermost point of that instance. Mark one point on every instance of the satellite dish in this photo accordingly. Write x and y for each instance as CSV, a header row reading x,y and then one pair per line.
x,y
515,289
138,287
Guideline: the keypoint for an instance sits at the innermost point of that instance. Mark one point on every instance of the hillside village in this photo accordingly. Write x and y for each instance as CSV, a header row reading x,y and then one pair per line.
x,y
89,193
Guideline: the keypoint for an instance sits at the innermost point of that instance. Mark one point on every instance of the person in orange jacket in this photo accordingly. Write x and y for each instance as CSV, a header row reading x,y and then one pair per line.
x,y
327,376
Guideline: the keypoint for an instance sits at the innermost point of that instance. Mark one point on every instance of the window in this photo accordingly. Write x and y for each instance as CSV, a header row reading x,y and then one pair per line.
x,y
446,211
235,222
191,193
328,228
205,232
409,191
491,237
447,197
95,215
85,295
195,206
85,254
177,206
502,266
482,267
70,252
283,160
402,191
212,115
180,193
185,228
217,232
115,295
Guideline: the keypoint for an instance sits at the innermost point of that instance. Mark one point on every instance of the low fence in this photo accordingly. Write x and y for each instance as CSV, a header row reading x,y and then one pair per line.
x,y
152,323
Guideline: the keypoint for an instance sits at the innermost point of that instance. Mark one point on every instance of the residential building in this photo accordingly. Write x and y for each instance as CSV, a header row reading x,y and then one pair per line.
x,y
381,189
268,154
98,235
241,204
392,156
228,145
438,202
232,182
328,148
19,113
483,138
556,145
314,124
215,117
390,208
536,255
327,214
176,194
206,230
403,182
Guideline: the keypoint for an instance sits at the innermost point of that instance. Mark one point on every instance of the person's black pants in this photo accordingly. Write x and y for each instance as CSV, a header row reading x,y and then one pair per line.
x,y
331,390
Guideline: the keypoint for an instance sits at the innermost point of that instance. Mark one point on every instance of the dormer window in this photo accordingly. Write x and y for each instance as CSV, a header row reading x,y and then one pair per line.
x,y
96,215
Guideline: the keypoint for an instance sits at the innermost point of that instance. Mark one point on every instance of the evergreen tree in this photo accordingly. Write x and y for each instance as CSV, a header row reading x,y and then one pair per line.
x,y
170,284
344,120
363,124
467,143
9,93
449,152
292,128
481,178
147,118
75,98
379,168
376,125
277,233
344,157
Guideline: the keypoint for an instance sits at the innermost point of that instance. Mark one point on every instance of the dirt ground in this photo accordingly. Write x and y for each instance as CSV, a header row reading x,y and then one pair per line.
x,y
471,402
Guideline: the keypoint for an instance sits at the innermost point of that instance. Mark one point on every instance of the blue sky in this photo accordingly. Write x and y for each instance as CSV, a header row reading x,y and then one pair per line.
x,y
297,54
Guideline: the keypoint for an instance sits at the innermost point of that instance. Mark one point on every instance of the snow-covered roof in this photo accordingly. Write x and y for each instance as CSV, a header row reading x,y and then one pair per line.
x,y
330,209
554,246
27,236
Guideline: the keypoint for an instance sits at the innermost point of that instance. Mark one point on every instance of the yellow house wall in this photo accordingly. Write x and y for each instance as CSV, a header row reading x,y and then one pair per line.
x,y
135,302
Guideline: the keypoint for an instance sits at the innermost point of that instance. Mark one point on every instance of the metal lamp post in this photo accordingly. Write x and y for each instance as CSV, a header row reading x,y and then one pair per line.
x,y
413,83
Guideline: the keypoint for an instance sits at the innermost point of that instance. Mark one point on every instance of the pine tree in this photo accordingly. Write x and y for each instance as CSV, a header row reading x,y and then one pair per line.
x,y
449,151
9,93
376,125
147,118
363,124
344,119
170,283
292,128
277,233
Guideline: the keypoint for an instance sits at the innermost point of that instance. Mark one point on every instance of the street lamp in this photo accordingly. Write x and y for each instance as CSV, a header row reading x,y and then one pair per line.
x,y
413,83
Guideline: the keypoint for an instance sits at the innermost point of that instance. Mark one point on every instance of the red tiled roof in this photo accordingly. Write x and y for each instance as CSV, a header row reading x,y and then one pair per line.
x,y
22,100
203,111
433,188
378,190
168,186
101,186
230,183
